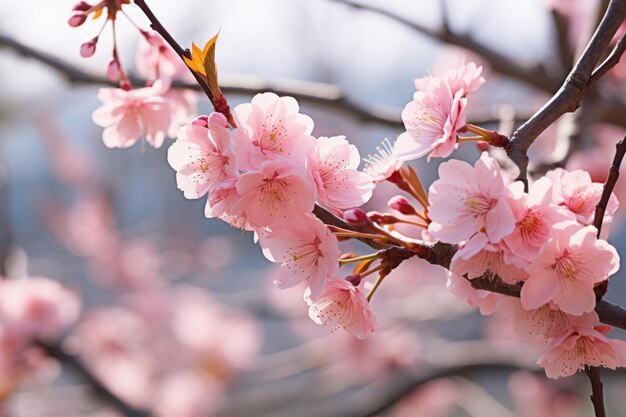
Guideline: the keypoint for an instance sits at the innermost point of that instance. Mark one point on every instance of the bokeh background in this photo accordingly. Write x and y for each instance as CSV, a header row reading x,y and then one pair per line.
x,y
179,313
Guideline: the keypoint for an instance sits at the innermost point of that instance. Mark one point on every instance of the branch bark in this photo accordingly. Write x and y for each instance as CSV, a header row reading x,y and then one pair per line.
x,y
597,396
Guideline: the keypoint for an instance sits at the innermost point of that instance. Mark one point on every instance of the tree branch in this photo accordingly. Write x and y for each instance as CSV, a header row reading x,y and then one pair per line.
x,y
535,76
571,92
609,184
597,396
75,365
611,61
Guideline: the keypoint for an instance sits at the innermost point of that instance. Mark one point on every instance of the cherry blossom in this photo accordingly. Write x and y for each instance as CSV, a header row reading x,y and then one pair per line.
x,y
270,127
486,301
155,59
583,346
339,184
221,203
491,259
470,204
126,115
275,193
534,216
202,156
386,161
307,250
567,268
342,306
437,112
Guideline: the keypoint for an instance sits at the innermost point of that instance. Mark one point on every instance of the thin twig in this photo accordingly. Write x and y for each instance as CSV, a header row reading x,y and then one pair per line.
x,y
75,365
612,60
609,184
597,396
571,92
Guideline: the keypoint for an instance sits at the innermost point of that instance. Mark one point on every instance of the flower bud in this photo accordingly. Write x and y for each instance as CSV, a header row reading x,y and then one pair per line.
x,y
77,19
126,85
87,49
355,217
114,70
482,146
81,6
202,121
401,204
354,279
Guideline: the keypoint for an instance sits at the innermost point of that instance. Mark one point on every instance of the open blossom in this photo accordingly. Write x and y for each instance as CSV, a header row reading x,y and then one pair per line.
x,y
437,112
271,127
469,204
221,201
342,306
489,259
274,195
155,59
126,115
386,161
202,156
37,307
486,301
534,216
339,184
576,192
582,346
307,250
567,269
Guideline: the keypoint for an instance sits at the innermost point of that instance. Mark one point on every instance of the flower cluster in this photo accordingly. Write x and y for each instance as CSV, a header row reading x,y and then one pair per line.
x,y
266,176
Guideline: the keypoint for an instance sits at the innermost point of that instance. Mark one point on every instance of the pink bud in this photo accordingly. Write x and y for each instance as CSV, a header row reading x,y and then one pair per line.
x,y
355,217
401,204
482,146
77,20
88,48
114,71
202,120
126,85
81,6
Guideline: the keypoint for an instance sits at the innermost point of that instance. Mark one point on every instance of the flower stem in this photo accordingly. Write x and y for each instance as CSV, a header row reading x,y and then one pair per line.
x,y
359,258
375,287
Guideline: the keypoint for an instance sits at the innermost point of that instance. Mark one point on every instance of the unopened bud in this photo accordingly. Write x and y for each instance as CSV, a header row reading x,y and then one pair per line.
x,y
482,146
402,205
380,218
77,19
114,70
81,6
126,85
87,49
355,217
202,121
354,279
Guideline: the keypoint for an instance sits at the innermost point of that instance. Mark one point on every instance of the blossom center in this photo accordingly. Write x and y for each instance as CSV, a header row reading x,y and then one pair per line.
x,y
479,205
566,267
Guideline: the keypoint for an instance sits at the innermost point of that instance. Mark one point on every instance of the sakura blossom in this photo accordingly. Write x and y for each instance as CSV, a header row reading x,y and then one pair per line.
x,y
535,214
271,127
567,268
307,251
333,164
155,59
486,301
583,346
275,193
437,112
386,160
127,115
491,260
469,204
576,192
221,204
342,306
202,156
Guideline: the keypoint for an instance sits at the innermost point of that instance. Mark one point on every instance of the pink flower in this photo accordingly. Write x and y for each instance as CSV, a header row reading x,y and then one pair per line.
x,y
188,394
184,107
576,192
437,112
271,127
202,156
334,164
274,195
583,346
470,204
307,250
155,59
37,307
534,216
342,306
221,202
491,259
567,268
386,161
126,115
486,301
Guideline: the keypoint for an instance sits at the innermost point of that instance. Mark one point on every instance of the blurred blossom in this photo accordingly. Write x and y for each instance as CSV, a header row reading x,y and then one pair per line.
x,y
536,397
435,399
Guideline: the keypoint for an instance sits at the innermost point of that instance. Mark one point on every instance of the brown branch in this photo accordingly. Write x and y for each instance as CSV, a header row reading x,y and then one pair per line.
x,y
597,396
571,92
612,60
609,184
561,28
75,365
535,76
